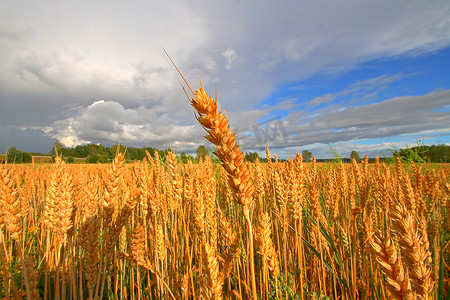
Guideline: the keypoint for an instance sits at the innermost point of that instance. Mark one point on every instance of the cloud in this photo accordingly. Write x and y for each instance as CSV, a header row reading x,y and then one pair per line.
x,y
230,55
327,98
119,51
109,122
361,91
75,73
14,34
399,111
25,139
392,117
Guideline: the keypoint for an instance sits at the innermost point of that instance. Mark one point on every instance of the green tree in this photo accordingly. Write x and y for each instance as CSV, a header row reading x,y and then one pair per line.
x,y
114,150
131,153
438,153
14,155
410,154
93,149
251,156
140,153
184,158
26,157
202,152
337,159
57,149
80,151
355,155
92,159
307,155
103,158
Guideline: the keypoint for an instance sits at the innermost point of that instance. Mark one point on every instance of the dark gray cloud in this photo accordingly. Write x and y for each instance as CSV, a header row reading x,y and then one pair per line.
x,y
30,140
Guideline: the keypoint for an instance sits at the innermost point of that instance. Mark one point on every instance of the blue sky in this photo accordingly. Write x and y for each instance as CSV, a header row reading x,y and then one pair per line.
x,y
315,75
404,75
370,82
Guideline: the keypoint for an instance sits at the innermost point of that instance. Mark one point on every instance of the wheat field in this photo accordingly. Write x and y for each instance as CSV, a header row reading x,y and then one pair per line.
x,y
154,229
159,229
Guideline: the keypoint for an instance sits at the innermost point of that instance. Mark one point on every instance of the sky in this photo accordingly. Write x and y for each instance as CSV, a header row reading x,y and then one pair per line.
x,y
323,76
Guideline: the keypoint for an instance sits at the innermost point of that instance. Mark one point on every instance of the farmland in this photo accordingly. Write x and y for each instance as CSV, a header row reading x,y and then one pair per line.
x,y
162,229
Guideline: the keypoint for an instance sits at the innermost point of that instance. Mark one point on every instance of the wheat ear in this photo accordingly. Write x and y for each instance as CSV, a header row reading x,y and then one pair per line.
x,y
414,249
391,263
112,187
228,151
211,265
10,204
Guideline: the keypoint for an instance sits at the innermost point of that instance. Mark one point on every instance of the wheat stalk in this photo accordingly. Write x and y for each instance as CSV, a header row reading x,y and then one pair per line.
x,y
215,123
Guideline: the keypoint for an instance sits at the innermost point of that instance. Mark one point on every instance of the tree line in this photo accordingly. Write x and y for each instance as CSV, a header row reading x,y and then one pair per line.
x,y
93,153
15,156
424,154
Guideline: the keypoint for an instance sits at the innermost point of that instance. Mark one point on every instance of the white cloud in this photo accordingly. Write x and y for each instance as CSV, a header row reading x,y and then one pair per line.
x,y
362,91
327,98
230,55
109,122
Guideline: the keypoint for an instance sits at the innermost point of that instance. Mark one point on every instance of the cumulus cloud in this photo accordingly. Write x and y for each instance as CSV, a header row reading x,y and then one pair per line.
x,y
109,122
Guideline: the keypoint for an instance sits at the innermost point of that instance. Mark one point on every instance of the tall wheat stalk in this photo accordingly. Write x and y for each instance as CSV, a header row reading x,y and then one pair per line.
x,y
215,123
